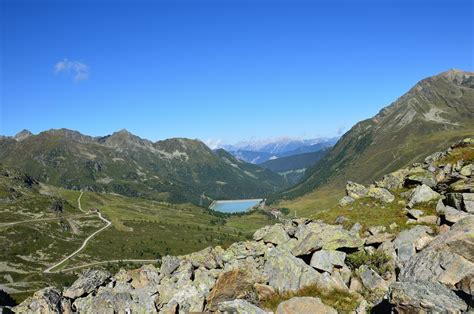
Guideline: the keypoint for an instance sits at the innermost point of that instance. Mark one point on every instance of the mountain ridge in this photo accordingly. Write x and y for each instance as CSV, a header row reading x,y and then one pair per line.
x,y
434,112
175,170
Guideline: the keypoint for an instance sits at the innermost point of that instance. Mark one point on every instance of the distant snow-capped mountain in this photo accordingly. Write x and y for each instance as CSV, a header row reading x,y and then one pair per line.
x,y
276,146
260,151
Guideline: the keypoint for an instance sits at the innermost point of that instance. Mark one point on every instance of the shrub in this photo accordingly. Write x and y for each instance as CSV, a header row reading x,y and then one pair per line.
x,y
378,261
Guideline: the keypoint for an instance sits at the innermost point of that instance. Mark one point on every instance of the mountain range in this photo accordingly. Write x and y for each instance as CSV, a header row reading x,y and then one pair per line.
x,y
258,152
173,170
437,111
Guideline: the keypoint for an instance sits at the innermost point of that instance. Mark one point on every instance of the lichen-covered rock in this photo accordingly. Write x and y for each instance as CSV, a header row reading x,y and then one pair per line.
x,y
87,282
170,285
229,286
448,259
453,215
119,299
463,186
169,264
380,193
298,305
415,213
44,301
467,170
424,297
468,202
422,194
286,272
241,250
454,200
239,306
393,180
188,298
346,200
207,258
371,280
379,238
328,237
275,234
325,260
376,229
421,177
356,190
406,241
147,275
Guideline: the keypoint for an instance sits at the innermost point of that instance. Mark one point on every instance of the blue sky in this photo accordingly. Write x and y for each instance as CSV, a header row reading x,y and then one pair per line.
x,y
228,70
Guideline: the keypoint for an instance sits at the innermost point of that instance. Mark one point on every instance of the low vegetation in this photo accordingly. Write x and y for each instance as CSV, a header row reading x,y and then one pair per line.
x,y
372,212
343,301
377,261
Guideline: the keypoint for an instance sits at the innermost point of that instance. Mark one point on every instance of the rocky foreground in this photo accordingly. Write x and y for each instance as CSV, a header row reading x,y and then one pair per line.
x,y
301,266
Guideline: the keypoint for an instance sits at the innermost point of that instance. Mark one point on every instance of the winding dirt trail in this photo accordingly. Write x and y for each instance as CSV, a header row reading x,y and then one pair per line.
x,y
107,224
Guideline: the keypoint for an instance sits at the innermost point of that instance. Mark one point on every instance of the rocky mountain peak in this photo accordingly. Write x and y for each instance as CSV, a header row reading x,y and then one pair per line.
x,y
23,134
457,76
123,139
69,134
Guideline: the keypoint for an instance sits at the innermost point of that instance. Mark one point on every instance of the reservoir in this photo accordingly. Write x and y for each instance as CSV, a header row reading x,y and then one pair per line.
x,y
234,206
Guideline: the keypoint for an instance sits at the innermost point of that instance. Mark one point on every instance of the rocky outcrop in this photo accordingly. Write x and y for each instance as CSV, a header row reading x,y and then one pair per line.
x,y
424,297
448,259
87,282
47,301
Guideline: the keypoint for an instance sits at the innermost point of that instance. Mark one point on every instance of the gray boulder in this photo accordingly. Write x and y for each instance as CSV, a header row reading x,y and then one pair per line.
x,y
379,238
286,272
87,282
355,190
47,301
448,259
393,180
467,170
346,200
122,298
239,306
453,215
468,202
424,297
325,260
407,242
169,264
381,194
415,213
323,236
422,177
371,280
422,194
454,200
275,234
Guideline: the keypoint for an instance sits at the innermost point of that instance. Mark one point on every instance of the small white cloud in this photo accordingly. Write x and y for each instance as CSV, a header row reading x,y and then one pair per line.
x,y
78,70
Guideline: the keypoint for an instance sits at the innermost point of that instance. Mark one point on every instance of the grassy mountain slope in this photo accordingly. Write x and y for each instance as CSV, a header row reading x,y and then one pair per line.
x,y
174,170
436,112
294,162
293,168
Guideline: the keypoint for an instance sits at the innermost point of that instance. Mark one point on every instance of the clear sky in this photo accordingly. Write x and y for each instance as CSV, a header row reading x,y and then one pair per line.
x,y
228,70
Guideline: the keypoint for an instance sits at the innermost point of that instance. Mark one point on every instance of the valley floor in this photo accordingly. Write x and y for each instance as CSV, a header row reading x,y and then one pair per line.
x,y
45,248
